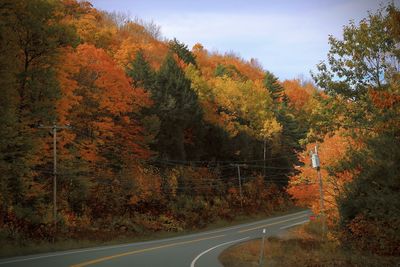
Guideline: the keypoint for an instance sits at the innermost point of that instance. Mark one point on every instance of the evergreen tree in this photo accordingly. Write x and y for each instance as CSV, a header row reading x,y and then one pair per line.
x,y
229,71
144,76
141,72
271,82
182,51
371,202
177,108
291,133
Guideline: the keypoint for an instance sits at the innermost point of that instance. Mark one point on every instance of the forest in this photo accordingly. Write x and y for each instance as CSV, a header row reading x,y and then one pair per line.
x,y
152,135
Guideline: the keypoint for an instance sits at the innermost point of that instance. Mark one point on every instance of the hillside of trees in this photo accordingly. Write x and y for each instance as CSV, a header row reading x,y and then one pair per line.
x,y
151,135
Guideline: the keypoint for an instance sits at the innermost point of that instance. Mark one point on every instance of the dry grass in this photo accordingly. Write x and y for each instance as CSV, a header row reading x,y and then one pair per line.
x,y
302,246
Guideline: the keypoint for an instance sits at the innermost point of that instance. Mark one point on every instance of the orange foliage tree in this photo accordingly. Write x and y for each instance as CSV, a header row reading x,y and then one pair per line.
x,y
299,95
304,187
98,100
103,108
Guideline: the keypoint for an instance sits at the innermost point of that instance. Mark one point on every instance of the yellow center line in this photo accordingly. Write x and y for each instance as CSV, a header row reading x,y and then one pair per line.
x,y
270,224
86,263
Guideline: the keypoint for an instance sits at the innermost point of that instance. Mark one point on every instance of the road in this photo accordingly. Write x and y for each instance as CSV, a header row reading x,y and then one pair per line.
x,y
195,250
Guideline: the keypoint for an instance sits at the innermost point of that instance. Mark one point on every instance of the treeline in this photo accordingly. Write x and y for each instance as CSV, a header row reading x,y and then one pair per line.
x,y
150,133
358,127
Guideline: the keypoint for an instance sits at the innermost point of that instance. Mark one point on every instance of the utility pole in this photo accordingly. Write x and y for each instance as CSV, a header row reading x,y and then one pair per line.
x,y
316,164
240,182
54,128
265,156
240,186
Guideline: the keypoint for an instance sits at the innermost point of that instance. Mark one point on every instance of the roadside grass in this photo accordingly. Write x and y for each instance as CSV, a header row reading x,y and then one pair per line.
x,y
27,247
301,246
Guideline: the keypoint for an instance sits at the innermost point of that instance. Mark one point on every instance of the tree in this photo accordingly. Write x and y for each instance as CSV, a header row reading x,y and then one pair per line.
x,y
32,33
182,51
244,106
369,205
292,130
8,104
143,76
271,82
230,71
141,72
366,56
107,140
177,107
303,186
363,78
106,101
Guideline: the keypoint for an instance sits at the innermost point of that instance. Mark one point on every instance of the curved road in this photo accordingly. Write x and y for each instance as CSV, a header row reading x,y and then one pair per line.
x,y
196,250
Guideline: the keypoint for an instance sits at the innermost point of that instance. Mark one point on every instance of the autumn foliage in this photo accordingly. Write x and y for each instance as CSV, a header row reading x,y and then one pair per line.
x,y
149,128
150,132
360,175
304,187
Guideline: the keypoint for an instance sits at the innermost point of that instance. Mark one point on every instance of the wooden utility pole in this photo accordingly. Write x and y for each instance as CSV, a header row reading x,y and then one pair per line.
x,y
240,182
240,186
54,128
316,164
265,157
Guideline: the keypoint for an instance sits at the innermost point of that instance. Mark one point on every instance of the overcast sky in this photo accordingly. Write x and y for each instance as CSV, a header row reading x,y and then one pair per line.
x,y
288,37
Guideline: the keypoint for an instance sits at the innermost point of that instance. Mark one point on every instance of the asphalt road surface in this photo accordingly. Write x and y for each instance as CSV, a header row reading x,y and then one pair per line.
x,y
196,250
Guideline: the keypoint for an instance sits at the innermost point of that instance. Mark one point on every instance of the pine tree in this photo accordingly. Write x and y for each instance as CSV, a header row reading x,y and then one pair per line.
x,y
141,72
182,51
271,82
177,108
291,130
143,76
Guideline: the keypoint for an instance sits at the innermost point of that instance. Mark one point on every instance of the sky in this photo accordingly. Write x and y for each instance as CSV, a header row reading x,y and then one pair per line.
x,y
288,37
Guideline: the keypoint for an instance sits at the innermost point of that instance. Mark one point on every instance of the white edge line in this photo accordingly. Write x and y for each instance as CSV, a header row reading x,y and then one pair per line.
x,y
208,250
56,254
257,222
294,224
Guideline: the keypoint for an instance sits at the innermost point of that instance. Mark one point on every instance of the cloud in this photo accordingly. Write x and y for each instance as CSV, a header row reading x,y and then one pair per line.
x,y
198,27
284,43
288,37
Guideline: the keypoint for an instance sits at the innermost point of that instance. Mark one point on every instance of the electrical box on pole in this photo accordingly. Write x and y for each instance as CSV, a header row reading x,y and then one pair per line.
x,y
315,161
